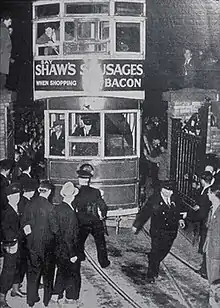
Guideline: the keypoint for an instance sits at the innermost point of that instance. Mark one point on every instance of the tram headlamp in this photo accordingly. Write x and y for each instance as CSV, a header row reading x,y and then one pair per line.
x,y
92,78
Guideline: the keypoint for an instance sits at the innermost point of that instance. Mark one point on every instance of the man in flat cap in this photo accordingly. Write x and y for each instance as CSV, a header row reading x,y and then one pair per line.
x,y
164,209
35,223
11,237
57,139
64,225
89,203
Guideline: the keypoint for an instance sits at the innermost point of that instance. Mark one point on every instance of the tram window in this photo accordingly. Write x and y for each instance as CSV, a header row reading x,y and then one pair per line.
x,y
128,9
48,10
70,45
84,148
57,134
127,37
104,30
120,134
87,30
84,124
87,8
48,35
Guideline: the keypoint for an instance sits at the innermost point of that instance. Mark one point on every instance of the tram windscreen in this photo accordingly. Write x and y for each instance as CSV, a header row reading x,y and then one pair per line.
x,y
120,134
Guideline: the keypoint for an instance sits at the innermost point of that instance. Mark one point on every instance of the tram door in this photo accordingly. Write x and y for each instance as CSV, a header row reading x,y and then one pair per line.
x,y
89,69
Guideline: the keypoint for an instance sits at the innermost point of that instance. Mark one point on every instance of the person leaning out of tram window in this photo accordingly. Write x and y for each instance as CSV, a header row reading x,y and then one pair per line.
x,y
164,209
11,238
50,37
212,245
57,139
64,225
88,204
200,214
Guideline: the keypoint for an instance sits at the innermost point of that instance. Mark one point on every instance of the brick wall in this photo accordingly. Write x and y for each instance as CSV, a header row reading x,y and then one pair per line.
x,y
6,99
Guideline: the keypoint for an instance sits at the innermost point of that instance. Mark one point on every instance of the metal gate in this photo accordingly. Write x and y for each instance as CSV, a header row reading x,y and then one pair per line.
x,y
188,153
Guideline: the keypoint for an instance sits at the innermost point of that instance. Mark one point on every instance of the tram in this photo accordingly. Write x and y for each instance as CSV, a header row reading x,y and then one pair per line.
x,y
88,67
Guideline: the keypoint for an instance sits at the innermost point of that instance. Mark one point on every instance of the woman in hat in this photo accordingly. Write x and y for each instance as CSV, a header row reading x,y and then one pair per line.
x,y
64,225
163,208
11,237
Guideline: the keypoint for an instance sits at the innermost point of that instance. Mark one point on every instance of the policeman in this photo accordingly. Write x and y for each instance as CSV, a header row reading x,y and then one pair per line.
x,y
88,203
163,208
11,237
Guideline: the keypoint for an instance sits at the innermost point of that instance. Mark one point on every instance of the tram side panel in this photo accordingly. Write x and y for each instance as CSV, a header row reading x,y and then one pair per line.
x,y
117,179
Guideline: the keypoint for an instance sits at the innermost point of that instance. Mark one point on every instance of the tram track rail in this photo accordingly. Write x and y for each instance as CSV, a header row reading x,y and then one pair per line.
x,y
186,263
118,290
184,300
171,277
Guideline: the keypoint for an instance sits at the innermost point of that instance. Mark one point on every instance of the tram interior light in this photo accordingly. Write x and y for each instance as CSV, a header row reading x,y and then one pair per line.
x,y
92,78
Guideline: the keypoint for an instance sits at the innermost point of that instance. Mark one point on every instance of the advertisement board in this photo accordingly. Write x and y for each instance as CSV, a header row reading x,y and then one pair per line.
x,y
79,75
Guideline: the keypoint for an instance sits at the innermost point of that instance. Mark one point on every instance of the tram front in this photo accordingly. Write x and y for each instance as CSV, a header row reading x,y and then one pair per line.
x,y
89,72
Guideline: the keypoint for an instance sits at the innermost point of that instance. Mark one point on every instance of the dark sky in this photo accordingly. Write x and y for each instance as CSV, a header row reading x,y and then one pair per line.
x,y
172,25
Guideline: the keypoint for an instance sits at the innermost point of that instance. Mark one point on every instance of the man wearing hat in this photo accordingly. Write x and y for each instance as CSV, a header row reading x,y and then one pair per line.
x,y
40,244
163,207
57,139
64,225
28,188
88,204
11,238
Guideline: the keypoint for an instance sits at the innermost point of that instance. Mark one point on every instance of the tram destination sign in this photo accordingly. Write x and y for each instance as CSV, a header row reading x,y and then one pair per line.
x,y
76,75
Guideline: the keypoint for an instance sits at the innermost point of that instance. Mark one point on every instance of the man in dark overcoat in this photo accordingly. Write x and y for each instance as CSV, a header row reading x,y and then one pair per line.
x,y
163,207
40,245
88,204
5,48
64,225
11,238
28,188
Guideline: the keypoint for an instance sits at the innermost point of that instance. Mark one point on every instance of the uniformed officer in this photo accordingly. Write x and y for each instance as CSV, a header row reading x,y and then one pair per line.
x,y
40,245
88,203
163,207
11,237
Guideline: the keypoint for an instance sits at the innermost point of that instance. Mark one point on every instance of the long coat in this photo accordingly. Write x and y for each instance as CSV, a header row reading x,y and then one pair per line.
x,y
164,218
213,247
37,216
5,49
64,226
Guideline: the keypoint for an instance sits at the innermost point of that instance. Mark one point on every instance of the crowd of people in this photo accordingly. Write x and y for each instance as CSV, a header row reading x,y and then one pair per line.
x,y
38,237
29,139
